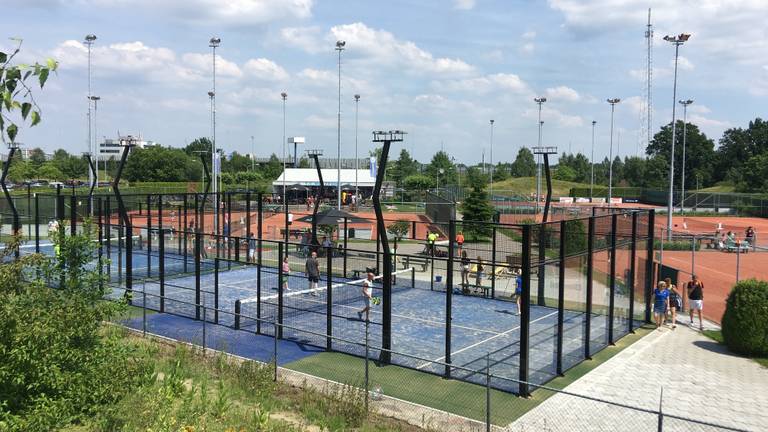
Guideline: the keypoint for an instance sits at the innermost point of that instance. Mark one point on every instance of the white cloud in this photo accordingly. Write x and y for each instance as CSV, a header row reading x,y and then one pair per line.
x,y
214,12
318,77
529,35
682,63
760,86
708,123
308,39
496,55
485,84
551,115
321,122
464,4
204,64
563,93
431,101
265,69
384,47
527,48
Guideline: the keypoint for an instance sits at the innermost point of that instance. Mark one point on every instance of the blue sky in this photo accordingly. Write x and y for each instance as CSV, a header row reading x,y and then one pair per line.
x,y
438,69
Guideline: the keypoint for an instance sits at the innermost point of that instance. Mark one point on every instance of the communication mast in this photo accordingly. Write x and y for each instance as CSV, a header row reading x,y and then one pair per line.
x,y
646,113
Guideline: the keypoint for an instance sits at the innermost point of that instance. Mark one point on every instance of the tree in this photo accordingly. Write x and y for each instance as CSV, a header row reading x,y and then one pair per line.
x,y
403,167
737,146
634,171
579,164
161,164
477,208
441,160
418,182
699,152
565,173
656,173
618,170
501,171
273,168
198,145
48,171
399,229
757,180
37,157
524,165
18,105
21,171
236,163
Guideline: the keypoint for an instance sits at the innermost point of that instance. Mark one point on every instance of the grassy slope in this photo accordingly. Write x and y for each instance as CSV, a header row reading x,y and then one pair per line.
x,y
717,336
527,185
458,397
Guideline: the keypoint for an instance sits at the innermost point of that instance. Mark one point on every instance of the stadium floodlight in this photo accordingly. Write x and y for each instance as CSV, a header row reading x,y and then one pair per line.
x,y
357,160
676,41
613,103
340,44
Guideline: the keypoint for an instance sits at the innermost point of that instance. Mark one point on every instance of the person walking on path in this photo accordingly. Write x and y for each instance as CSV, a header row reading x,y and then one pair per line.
x,y
749,236
518,288
696,299
675,301
367,296
660,300
460,241
313,272
479,274
286,273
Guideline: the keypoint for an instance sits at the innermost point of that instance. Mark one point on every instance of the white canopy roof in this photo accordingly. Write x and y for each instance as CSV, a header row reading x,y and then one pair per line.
x,y
308,177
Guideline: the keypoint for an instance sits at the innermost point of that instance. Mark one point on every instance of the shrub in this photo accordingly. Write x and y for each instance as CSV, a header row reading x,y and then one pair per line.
x,y
745,322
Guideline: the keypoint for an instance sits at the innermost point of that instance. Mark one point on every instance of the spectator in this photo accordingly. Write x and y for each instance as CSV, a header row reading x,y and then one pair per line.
x,y
696,299
518,288
252,248
749,236
721,242
731,237
460,240
431,239
479,274
465,266
367,296
286,273
660,300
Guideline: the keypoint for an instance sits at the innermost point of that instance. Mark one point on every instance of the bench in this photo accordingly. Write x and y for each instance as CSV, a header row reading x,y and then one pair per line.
x,y
409,261
465,289
731,246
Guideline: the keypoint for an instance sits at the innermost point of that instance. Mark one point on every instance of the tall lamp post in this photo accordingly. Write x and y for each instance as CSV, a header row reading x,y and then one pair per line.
x,y
284,95
592,163
95,100
89,41
339,47
613,103
357,161
253,155
214,43
676,41
491,186
540,101
685,104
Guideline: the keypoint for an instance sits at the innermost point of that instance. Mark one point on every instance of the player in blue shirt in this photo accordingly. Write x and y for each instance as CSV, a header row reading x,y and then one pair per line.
x,y
660,300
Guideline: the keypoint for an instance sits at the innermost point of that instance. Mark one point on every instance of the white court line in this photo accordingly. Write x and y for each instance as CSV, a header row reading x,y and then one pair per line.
x,y
483,341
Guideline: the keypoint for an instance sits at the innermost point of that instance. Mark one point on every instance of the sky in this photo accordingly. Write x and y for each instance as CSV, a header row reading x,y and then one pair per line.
x,y
437,69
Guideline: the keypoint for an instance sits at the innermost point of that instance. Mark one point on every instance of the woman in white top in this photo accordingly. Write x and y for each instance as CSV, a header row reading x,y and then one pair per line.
x,y
367,296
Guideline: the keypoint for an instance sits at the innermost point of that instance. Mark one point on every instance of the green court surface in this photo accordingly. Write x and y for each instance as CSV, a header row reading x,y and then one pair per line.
x,y
457,397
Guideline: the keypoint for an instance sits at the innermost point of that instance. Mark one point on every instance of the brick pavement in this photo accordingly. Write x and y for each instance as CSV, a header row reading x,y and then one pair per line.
x,y
701,380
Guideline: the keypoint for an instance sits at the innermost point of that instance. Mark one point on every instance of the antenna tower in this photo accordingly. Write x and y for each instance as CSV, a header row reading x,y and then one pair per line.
x,y
646,113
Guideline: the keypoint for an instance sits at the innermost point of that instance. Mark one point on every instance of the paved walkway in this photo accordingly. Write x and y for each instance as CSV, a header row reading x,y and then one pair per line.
x,y
700,379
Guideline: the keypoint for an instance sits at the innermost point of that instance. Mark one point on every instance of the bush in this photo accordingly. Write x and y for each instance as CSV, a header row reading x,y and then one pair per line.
x,y
745,321
676,245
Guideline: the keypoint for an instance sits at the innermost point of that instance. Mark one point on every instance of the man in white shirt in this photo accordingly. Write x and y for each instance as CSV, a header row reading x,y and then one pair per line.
x,y
367,296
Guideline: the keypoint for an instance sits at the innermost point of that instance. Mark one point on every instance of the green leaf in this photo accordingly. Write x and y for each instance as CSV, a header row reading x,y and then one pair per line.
x,y
12,131
7,100
3,57
27,74
43,76
51,64
25,108
35,118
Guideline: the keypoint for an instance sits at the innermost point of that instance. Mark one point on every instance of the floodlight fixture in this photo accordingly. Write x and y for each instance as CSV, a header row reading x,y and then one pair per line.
x,y
90,38
214,42
314,152
388,136
211,94
340,44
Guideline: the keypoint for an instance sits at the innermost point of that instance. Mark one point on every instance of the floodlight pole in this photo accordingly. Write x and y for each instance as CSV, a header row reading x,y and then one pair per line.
x,y
357,160
12,147
89,41
491,185
339,47
386,138
540,101
676,41
314,155
685,104
613,103
214,43
592,163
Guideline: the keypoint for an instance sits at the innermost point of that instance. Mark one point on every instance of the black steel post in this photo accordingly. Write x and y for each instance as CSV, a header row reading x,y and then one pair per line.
x,y
319,198
94,175
280,277
72,215
649,265
386,330
7,165
185,232
37,224
228,240
149,235
612,301
590,263
216,269
100,236
344,255
525,313
29,209
126,222
631,282
259,228
561,300
108,223
493,261
161,250
542,238
329,299
549,188
198,251
449,297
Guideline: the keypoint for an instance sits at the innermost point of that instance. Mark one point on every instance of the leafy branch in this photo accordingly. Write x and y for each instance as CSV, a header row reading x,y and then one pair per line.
x,y
17,99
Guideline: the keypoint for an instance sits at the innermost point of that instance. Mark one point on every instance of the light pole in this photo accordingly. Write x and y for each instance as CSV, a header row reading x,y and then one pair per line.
x,y
89,41
357,161
284,95
437,179
613,103
685,104
676,41
95,100
253,155
592,163
214,43
540,101
491,185
339,47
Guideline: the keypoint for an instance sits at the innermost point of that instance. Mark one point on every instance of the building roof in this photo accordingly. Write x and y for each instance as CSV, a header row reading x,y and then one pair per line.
x,y
308,177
